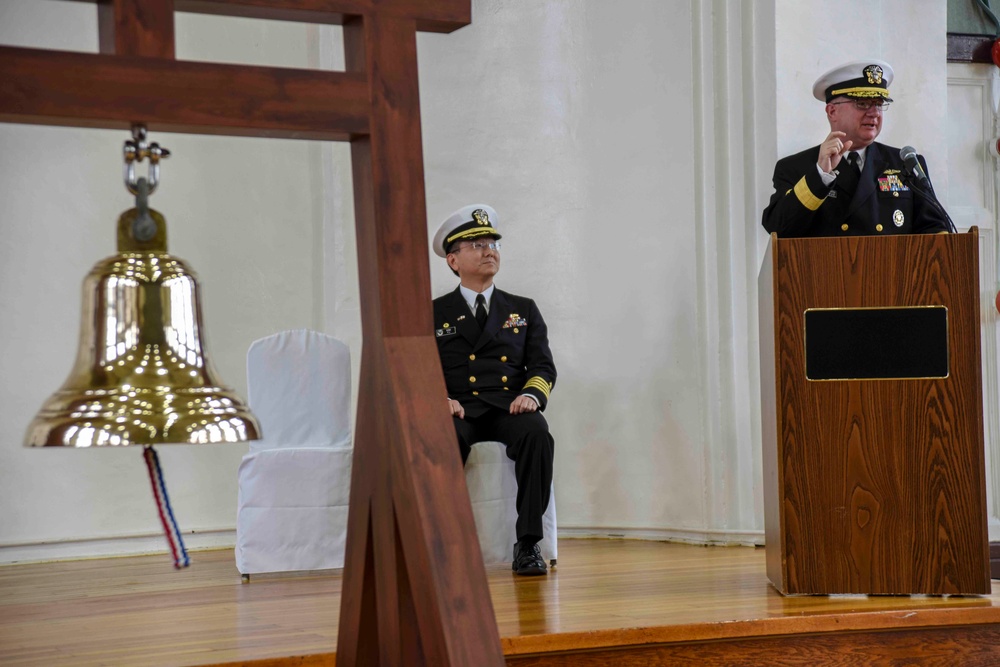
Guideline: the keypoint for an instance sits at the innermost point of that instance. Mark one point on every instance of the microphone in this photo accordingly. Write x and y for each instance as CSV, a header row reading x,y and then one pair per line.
x,y
909,156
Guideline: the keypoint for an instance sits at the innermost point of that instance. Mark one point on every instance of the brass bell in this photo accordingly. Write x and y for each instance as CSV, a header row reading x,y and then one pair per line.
x,y
141,375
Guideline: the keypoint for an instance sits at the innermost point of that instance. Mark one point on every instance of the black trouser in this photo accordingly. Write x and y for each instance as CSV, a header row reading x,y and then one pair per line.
x,y
530,447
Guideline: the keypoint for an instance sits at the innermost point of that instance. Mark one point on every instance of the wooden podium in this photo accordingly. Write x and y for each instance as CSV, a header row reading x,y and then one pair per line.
x,y
872,418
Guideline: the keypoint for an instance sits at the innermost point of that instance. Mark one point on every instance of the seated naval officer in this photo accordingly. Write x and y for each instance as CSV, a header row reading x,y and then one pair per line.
x,y
498,369
852,185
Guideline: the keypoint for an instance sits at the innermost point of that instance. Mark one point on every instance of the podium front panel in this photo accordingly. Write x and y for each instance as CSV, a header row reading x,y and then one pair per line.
x,y
878,483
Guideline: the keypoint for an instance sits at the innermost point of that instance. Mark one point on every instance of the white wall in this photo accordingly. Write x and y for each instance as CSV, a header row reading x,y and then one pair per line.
x,y
561,115
628,149
244,214
813,37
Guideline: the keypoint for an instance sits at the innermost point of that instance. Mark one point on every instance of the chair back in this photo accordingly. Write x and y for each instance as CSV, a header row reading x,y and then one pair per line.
x,y
299,386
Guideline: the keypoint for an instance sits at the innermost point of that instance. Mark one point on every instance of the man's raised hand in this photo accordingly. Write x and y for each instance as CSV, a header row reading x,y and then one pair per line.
x,y
832,150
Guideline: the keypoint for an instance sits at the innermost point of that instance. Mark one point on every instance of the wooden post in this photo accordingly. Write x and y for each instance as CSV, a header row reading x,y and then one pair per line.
x,y
136,28
414,582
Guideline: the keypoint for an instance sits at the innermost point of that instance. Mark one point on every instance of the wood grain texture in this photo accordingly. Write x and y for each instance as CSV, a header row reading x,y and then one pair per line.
x,y
429,15
136,27
769,415
90,90
605,594
881,484
969,646
415,589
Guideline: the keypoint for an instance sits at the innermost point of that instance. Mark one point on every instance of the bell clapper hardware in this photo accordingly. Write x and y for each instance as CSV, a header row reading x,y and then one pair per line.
x,y
142,375
136,150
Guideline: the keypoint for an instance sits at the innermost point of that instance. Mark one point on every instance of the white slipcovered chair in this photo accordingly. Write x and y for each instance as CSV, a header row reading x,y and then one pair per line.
x,y
294,485
489,474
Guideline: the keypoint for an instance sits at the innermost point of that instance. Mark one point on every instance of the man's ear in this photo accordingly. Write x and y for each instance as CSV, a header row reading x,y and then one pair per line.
x,y
452,261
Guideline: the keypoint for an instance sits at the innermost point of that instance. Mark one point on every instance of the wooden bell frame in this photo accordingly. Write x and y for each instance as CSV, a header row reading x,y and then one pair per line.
x,y
414,586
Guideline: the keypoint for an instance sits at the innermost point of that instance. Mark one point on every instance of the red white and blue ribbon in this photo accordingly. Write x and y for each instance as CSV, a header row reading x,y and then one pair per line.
x,y
170,528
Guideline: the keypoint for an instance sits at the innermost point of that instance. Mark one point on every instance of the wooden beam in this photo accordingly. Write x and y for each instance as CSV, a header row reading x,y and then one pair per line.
x,y
415,590
430,15
137,27
91,90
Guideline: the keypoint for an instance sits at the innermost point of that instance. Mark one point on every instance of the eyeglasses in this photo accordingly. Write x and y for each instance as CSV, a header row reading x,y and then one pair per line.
x,y
865,105
483,245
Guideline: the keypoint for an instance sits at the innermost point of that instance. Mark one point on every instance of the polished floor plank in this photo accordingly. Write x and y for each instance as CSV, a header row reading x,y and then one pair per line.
x,y
123,611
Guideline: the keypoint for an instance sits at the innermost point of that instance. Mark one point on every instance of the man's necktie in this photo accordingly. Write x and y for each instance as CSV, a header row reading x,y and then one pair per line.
x,y
481,310
854,160
849,173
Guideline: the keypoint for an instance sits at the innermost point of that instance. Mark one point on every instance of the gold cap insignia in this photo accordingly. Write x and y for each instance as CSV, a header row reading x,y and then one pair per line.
x,y
874,74
480,216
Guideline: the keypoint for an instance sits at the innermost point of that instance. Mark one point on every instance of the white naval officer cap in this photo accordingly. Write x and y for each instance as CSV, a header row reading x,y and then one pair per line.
x,y
468,222
861,78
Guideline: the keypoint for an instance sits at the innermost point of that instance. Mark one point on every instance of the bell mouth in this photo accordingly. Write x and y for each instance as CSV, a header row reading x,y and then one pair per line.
x,y
123,416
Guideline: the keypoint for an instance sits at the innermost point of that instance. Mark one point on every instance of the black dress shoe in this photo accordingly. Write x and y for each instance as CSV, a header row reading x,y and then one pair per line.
x,y
528,560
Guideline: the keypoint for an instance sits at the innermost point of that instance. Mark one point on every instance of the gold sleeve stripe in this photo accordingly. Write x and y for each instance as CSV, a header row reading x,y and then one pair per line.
x,y
540,384
805,195
471,233
544,391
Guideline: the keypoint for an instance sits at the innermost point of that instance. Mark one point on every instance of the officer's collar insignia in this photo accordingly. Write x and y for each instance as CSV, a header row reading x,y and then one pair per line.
x,y
874,74
481,217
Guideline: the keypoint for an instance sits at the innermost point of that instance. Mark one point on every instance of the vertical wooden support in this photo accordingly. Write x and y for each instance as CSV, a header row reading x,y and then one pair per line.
x,y
415,589
137,28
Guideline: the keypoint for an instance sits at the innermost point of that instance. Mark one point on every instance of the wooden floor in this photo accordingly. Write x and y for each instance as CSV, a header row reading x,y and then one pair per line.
x,y
605,595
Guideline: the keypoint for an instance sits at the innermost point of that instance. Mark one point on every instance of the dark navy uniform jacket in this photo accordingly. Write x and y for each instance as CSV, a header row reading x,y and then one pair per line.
x,y
883,202
509,357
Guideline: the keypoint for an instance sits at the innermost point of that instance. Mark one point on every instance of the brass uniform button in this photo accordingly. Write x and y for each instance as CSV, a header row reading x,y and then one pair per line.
x,y
844,227
472,357
475,393
503,379
506,388
878,228
895,194
472,379
444,326
515,329
503,358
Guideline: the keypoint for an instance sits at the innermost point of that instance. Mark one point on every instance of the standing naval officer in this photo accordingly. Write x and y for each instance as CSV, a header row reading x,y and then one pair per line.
x,y
498,369
852,185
